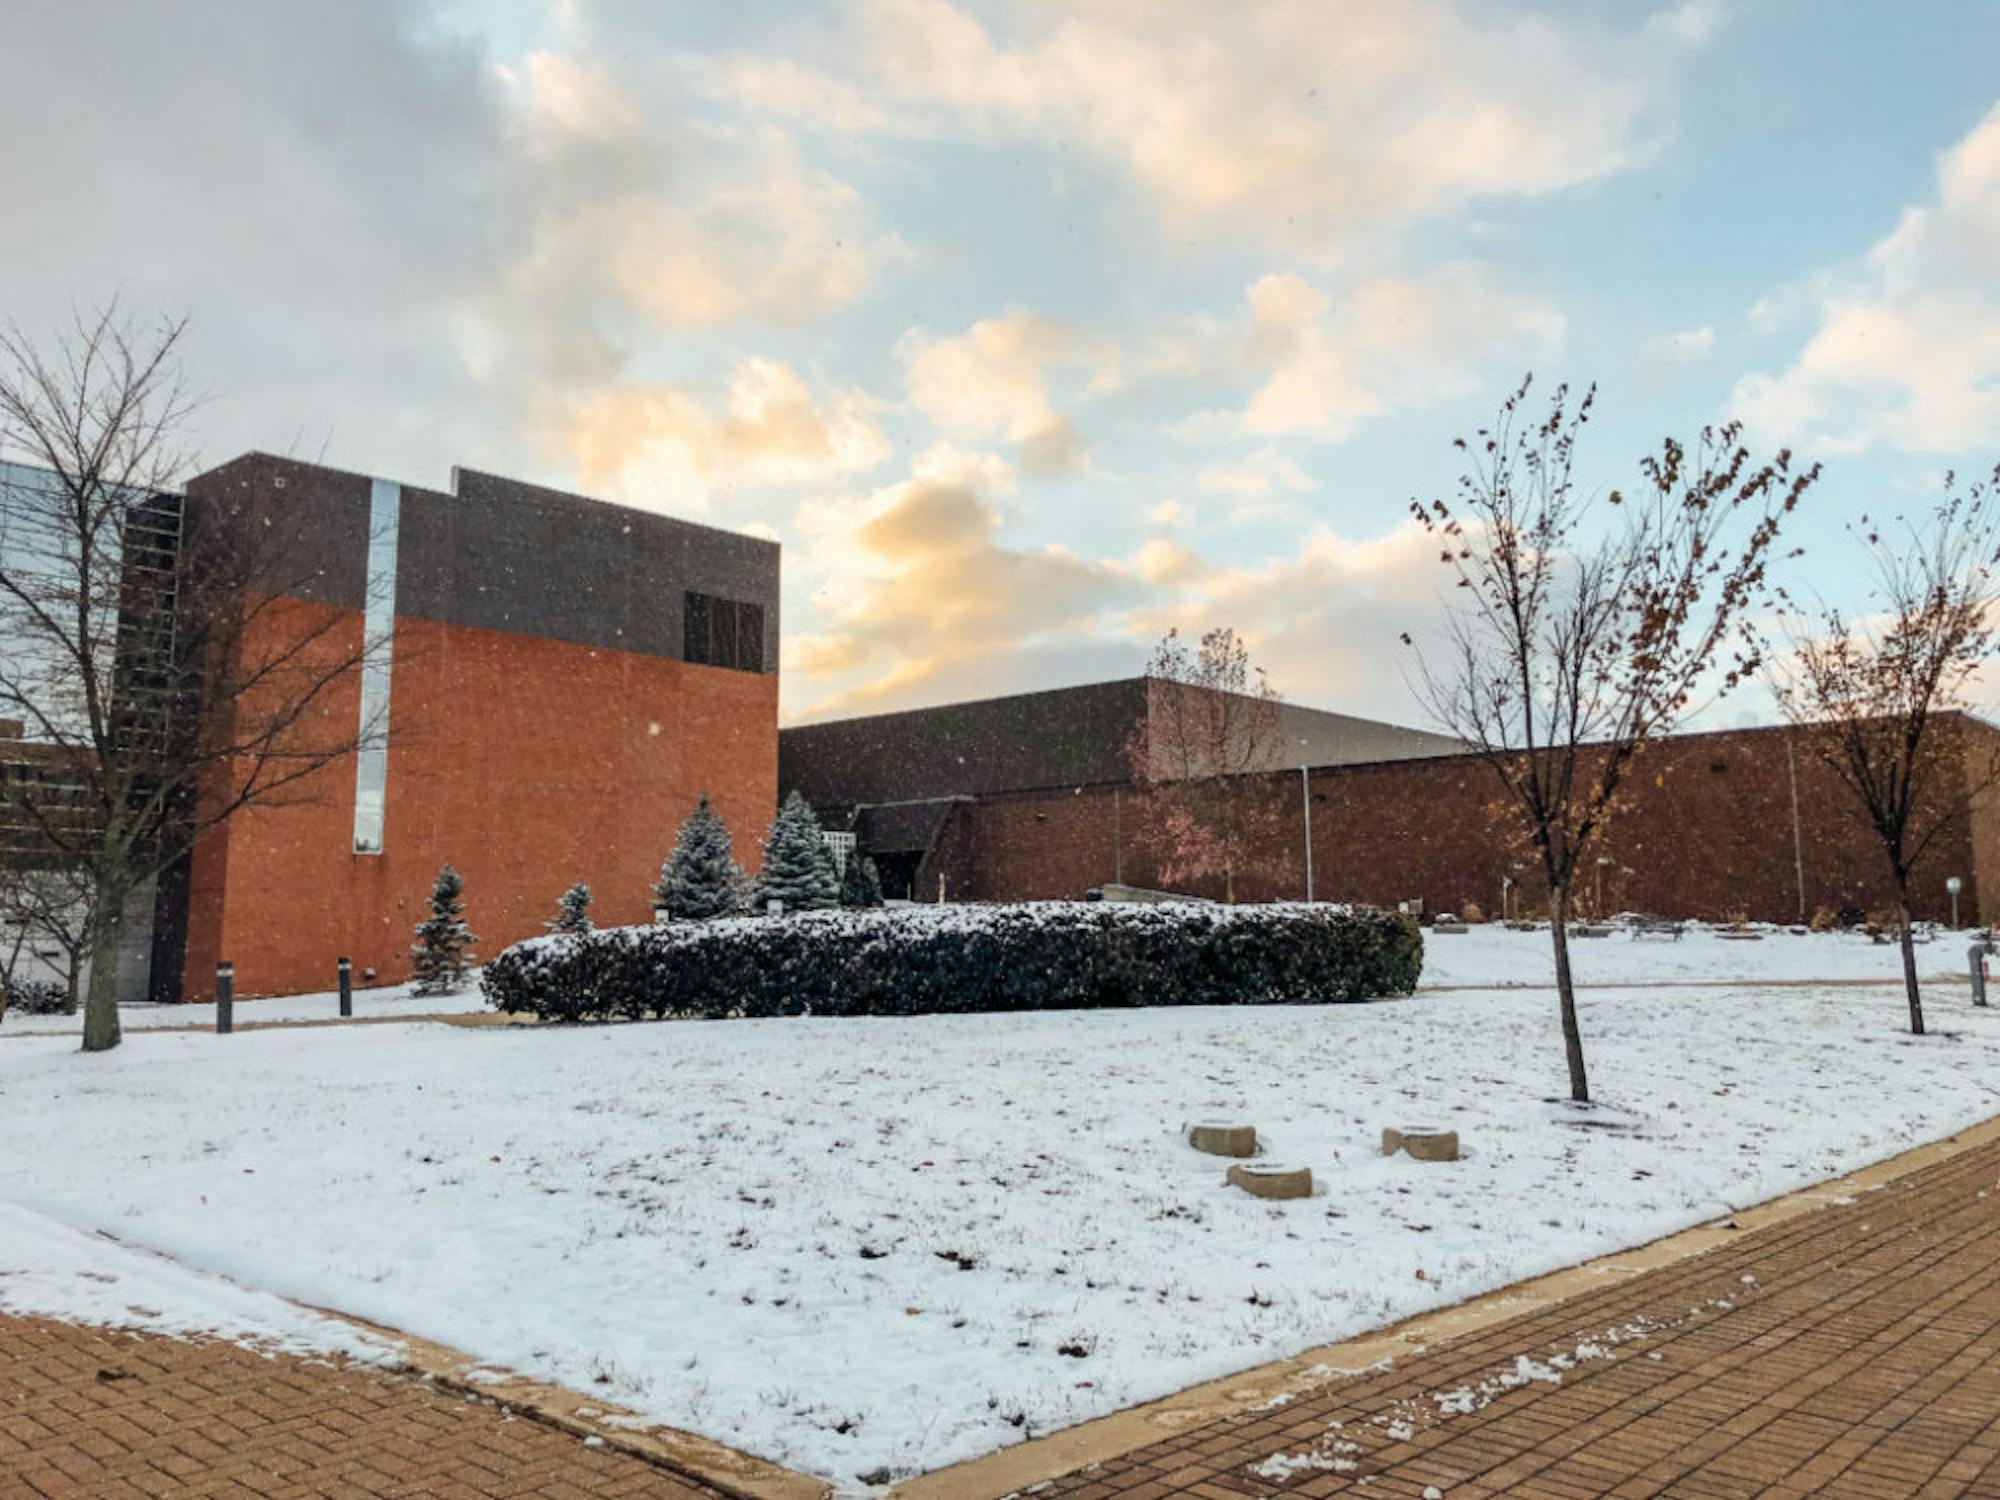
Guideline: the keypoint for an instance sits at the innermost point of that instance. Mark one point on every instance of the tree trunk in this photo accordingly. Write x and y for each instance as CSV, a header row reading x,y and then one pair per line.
x,y
1910,966
100,1006
1579,1085
1228,885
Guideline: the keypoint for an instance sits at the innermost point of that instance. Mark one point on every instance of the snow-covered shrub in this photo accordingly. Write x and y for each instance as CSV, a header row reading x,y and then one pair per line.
x,y
860,881
572,911
38,997
927,959
798,867
443,949
701,879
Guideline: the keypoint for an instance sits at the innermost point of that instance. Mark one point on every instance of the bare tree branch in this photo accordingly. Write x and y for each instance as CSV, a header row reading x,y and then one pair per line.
x,y
1582,632
164,649
1866,694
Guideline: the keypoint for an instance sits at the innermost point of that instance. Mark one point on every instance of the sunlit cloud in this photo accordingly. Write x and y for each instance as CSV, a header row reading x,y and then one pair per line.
x,y
1307,125
663,445
1905,348
927,586
994,381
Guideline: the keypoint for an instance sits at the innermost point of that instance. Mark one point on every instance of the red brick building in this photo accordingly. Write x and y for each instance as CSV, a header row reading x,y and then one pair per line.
x,y
1027,798
564,679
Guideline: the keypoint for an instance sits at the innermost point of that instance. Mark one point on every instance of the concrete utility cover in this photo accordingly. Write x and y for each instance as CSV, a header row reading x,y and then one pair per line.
x,y
1224,1140
1423,1142
1273,1182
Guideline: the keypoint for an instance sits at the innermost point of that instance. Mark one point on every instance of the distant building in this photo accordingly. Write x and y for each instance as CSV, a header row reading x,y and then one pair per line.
x,y
566,678
1030,797
916,787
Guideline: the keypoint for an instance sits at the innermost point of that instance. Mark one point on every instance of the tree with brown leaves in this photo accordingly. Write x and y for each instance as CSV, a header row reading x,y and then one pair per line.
x,y
149,641
1869,693
1211,719
1582,631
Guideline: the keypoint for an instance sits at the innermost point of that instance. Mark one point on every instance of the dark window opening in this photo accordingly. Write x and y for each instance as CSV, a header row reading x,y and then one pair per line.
x,y
718,632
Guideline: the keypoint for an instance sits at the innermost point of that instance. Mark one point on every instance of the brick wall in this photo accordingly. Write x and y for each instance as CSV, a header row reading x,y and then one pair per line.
x,y
526,762
1707,832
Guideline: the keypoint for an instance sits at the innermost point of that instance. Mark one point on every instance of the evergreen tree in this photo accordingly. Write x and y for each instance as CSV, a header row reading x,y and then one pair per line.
x,y
860,883
572,911
700,880
798,867
442,952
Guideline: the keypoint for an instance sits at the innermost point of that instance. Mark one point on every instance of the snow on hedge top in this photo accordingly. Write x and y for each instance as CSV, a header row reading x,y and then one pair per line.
x,y
933,919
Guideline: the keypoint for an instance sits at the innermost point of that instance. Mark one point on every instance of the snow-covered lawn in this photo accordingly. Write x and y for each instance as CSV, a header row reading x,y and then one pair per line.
x,y
49,1270
868,1247
388,1000
1491,954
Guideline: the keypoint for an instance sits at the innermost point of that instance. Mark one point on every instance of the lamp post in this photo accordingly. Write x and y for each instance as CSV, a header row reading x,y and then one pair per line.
x,y
1954,885
1598,894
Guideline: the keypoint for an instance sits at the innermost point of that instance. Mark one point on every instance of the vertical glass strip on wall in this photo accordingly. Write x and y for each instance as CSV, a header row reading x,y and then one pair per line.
x,y
371,760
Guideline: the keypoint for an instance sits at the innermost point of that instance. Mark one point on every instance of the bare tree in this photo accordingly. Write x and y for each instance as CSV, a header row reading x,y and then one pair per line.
x,y
156,646
1868,694
46,910
1211,719
1583,633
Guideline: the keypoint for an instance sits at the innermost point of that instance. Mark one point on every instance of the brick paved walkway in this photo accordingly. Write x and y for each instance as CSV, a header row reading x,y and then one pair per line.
x,y
1853,1351
91,1414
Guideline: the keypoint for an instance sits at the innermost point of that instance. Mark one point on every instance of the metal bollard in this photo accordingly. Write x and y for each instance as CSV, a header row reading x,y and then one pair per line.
x,y
225,998
346,986
1977,954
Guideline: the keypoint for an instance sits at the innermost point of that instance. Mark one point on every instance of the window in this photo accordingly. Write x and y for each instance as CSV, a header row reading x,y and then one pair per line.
x,y
718,632
371,759
841,847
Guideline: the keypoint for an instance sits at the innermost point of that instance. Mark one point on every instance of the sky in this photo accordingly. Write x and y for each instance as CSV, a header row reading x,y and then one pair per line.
x,y
1036,329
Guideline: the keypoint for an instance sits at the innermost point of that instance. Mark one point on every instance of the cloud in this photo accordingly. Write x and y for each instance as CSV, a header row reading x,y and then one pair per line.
x,y
660,444
1302,125
1324,620
994,380
922,596
317,188
1905,349
1324,365
924,603
392,251
680,223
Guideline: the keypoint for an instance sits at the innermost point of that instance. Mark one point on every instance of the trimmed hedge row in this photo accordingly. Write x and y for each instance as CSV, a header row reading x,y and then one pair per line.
x,y
37,997
929,959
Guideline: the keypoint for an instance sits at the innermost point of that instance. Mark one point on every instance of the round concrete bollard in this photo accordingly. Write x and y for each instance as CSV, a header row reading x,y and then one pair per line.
x,y
1273,1182
1423,1142
1224,1140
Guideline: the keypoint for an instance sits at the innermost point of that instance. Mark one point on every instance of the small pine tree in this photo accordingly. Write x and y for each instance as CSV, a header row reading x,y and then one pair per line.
x,y
700,880
572,911
860,882
798,867
442,952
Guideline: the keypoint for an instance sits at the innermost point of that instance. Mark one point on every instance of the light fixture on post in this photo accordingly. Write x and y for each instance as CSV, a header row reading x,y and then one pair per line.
x,y
1954,885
